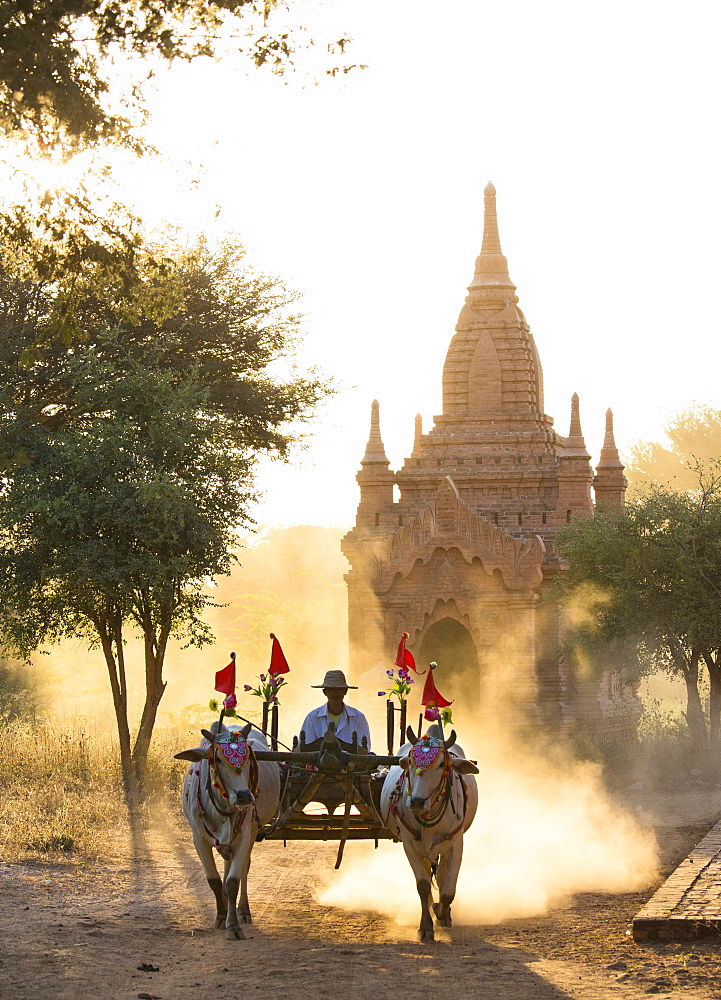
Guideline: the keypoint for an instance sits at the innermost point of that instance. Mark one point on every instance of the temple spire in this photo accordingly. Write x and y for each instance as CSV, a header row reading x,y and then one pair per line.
x,y
491,265
609,453
491,239
375,452
418,433
575,444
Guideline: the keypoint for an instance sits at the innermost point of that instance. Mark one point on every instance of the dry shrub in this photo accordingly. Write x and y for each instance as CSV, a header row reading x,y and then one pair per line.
x,y
62,792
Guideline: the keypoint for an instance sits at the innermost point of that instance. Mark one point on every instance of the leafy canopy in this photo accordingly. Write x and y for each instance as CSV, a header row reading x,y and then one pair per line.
x,y
694,435
137,448
60,59
652,573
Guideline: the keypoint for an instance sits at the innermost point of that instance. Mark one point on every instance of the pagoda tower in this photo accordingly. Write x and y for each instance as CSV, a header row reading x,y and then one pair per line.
x,y
462,558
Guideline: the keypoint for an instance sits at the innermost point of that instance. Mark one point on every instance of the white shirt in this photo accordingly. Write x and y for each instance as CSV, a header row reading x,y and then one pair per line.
x,y
352,721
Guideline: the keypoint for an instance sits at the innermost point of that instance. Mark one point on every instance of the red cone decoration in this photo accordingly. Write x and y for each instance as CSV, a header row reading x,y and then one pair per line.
x,y
431,694
225,682
404,658
278,662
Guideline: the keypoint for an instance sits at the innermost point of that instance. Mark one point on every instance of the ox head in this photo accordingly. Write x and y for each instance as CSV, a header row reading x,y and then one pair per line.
x,y
428,763
229,753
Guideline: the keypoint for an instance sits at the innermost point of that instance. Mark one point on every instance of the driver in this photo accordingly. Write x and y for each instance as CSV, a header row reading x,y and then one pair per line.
x,y
347,720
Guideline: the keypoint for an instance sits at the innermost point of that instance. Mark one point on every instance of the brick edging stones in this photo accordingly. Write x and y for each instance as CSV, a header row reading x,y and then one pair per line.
x,y
688,904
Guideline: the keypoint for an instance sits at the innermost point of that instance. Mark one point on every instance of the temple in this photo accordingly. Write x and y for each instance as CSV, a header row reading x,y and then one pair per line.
x,y
464,558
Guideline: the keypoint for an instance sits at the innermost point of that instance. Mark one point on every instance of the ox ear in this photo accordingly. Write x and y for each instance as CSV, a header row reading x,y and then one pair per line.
x,y
208,735
411,736
196,754
464,766
403,762
451,740
245,731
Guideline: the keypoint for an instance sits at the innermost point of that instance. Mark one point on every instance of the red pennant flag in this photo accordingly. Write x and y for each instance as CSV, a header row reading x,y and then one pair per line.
x,y
278,662
404,658
225,678
431,694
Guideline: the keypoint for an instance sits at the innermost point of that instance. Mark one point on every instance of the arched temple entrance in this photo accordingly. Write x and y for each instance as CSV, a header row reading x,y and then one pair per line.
x,y
451,646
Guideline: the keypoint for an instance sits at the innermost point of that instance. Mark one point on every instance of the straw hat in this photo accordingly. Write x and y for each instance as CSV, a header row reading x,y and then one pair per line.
x,y
335,679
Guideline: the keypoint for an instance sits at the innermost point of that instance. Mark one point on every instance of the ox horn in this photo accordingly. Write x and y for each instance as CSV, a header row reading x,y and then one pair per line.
x,y
451,740
245,731
208,735
411,736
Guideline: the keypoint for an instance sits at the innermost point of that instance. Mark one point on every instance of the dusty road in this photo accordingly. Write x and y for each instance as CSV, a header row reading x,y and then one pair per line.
x,y
70,932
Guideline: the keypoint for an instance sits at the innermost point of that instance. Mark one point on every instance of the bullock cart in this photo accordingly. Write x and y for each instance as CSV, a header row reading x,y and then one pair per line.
x,y
238,791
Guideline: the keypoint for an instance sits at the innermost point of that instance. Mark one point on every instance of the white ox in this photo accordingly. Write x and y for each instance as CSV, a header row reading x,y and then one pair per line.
x,y
428,802
227,795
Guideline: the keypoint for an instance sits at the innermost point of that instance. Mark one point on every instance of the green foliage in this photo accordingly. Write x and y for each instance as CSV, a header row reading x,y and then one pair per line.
x,y
71,249
141,442
646,585
694,437
59,59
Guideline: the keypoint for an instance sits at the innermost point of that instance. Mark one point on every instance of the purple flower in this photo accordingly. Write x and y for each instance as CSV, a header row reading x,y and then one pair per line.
x,y
389,672
410,681
230,702
381,694
262,677
247,687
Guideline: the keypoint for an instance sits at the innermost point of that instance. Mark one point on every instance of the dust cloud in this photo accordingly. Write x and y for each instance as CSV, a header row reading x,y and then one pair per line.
x,y
545,829
546,826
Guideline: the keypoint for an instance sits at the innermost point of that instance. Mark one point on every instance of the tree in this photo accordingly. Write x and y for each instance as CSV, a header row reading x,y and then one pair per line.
x,y
694,436
656,567
62,67
56,58
132,457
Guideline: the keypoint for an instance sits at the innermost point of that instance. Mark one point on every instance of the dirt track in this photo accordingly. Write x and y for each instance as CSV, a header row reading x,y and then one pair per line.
x,y
69,933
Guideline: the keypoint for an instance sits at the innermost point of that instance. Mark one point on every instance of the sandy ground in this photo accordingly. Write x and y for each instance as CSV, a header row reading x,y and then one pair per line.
x,y
70,931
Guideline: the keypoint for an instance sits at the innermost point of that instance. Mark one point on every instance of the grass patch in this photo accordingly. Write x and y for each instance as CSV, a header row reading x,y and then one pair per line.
x,y
62,792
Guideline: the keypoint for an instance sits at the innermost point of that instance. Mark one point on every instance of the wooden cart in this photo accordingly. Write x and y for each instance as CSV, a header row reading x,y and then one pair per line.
x,y
330,790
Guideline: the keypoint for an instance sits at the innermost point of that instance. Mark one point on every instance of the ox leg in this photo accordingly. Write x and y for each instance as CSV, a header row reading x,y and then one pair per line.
x,y
425,929
207,860
423,885
447,878
233,930
237,872
243,904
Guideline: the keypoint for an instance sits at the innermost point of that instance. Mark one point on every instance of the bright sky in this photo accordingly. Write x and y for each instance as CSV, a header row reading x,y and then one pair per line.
x,y
598,124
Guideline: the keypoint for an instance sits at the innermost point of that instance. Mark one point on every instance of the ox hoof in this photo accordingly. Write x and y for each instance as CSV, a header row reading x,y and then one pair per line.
x,y
442,919
234,934
245,918
424,935
219,921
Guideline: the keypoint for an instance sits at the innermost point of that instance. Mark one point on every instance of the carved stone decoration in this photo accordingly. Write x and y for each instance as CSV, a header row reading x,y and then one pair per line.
x,y
519,560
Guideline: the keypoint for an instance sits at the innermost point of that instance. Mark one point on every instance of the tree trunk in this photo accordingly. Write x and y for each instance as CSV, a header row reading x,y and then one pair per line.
x,y
713,665
694,709
154,689
116,673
